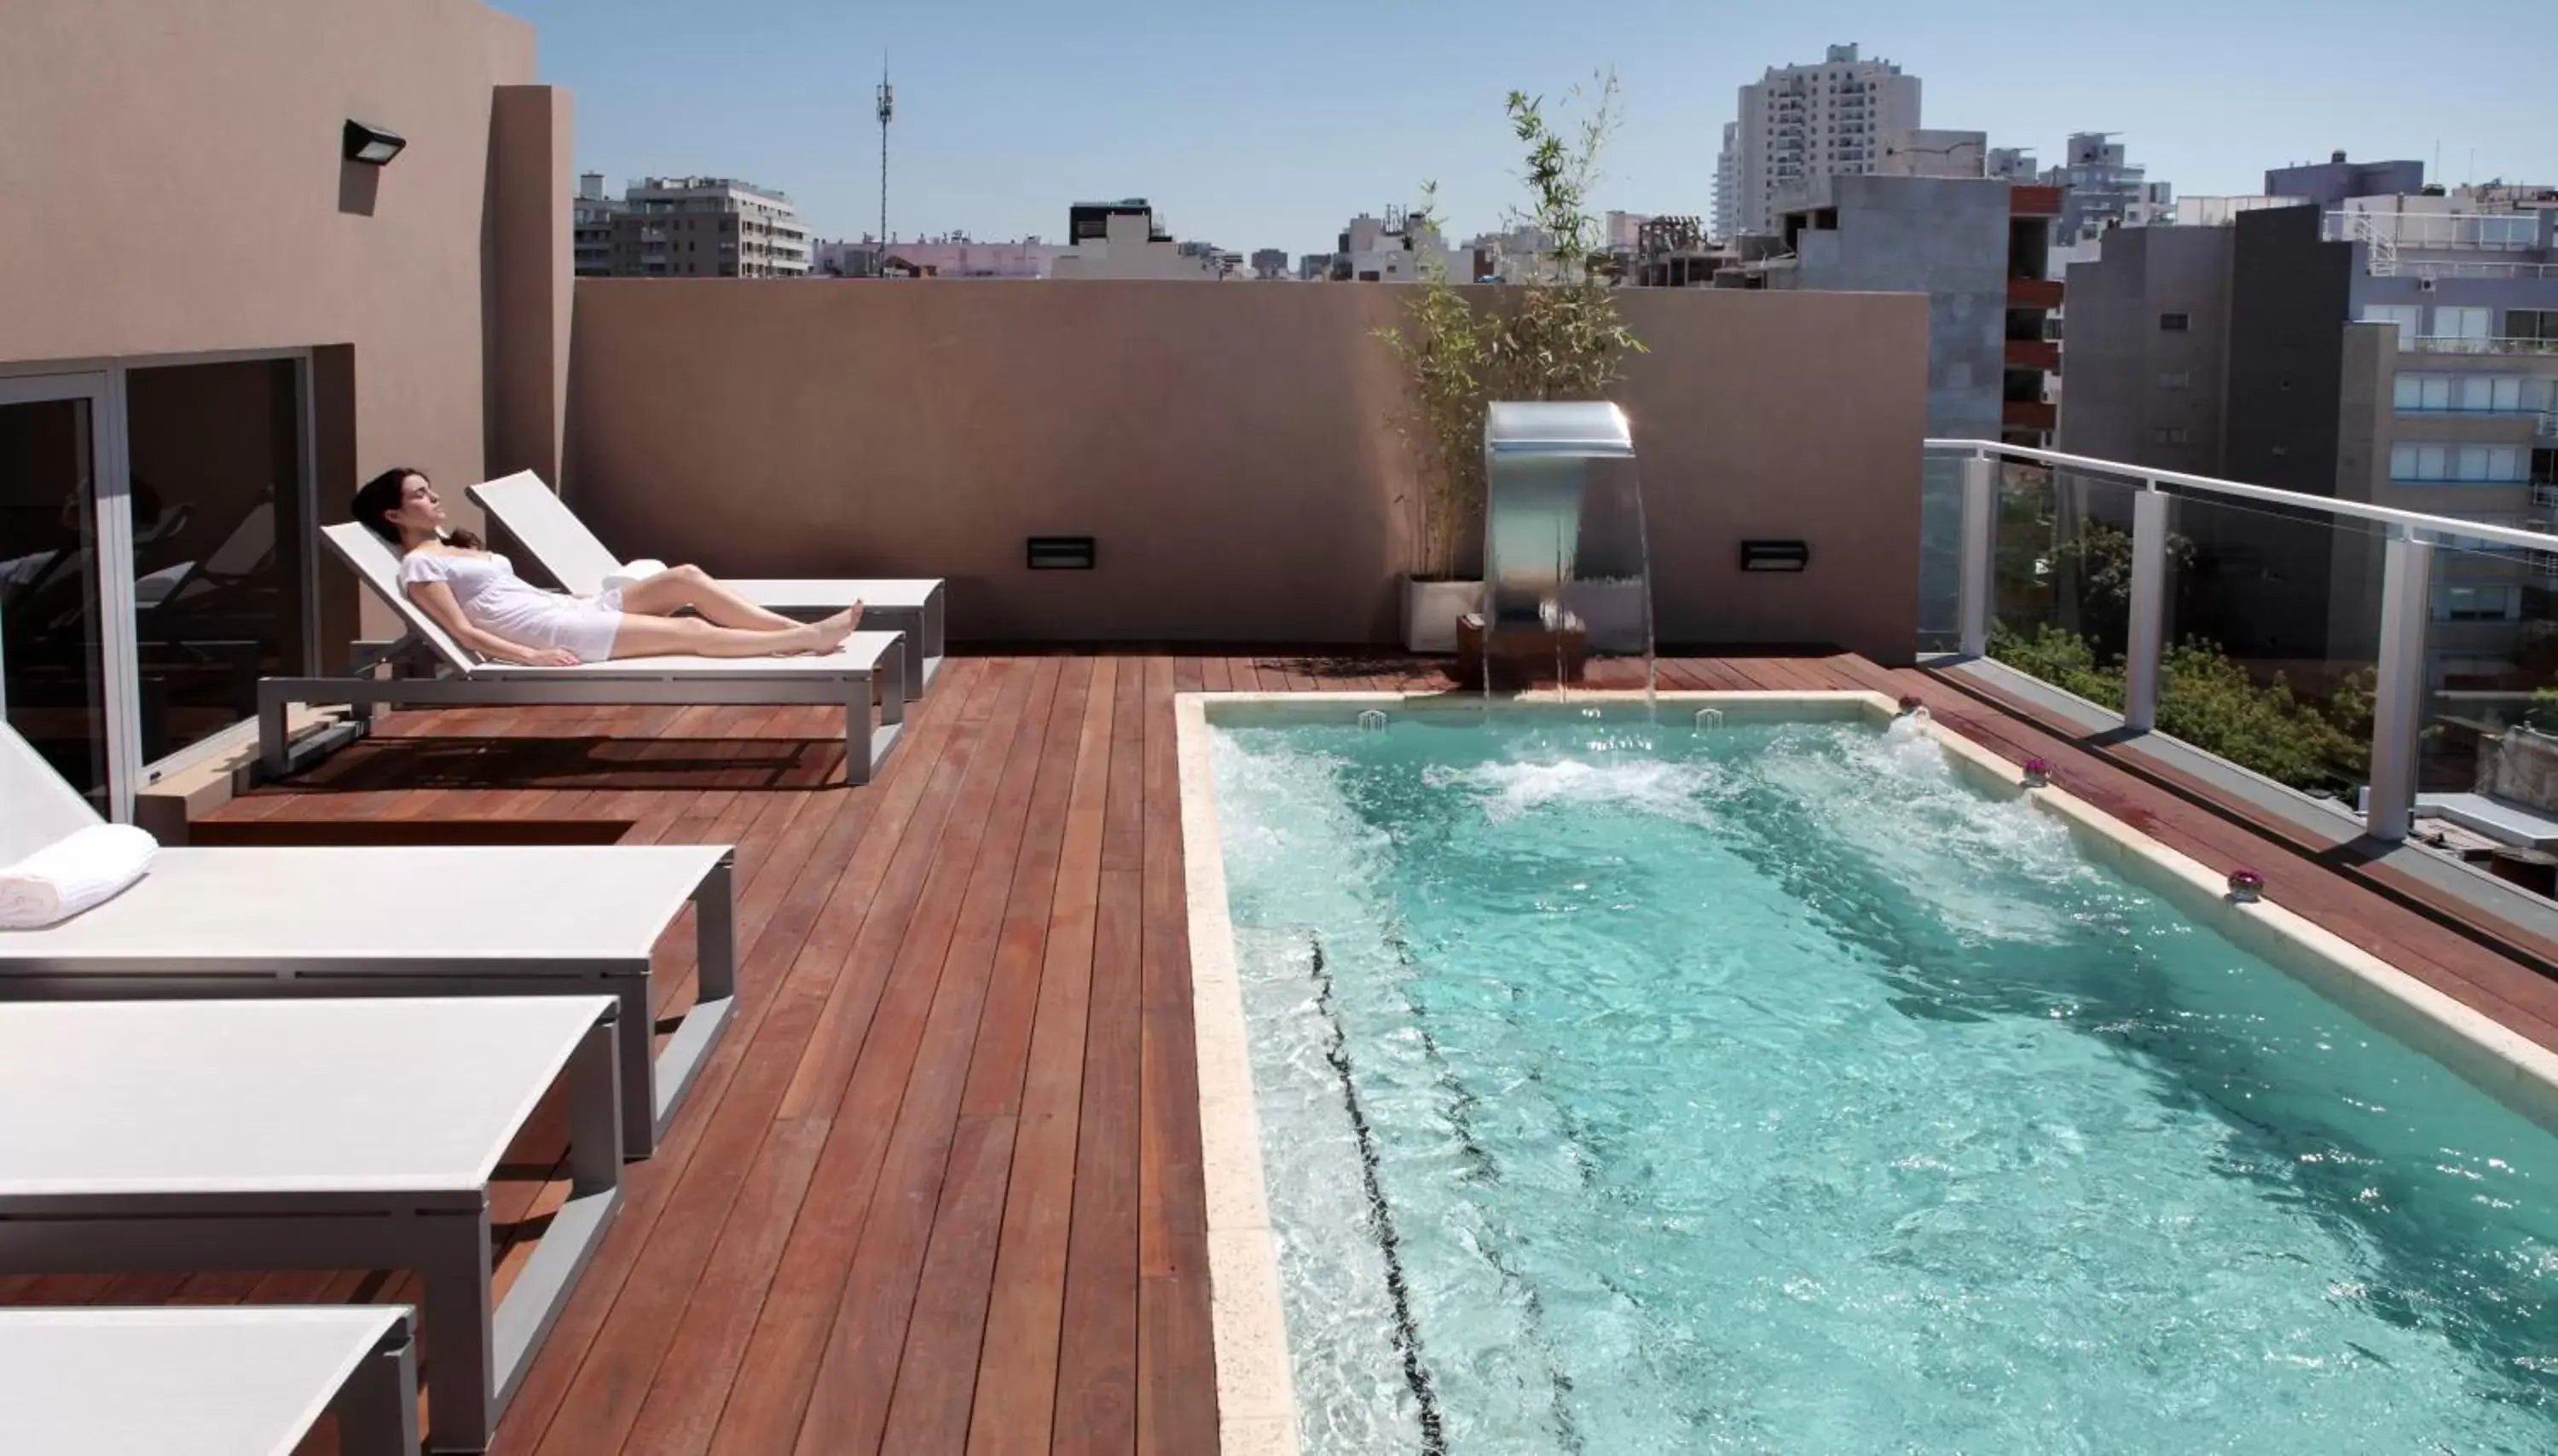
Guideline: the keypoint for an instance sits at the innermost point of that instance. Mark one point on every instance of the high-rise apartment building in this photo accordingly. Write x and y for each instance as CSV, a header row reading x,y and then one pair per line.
x,y
1800,122
1727,183
687,227
2101,188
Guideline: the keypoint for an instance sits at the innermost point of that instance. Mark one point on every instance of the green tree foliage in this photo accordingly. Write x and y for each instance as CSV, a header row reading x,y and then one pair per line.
x,y
2210,700
2543,715
1554,335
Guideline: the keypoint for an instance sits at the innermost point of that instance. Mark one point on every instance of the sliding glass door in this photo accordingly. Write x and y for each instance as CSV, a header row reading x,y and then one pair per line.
x,y
60,549
214,454
155,529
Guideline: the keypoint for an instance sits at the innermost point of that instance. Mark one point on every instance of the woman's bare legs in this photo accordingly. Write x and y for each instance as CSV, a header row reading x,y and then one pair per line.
x,y
676,587
693,636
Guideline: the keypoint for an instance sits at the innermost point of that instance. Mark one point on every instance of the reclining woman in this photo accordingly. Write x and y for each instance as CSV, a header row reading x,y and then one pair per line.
x,y
476,596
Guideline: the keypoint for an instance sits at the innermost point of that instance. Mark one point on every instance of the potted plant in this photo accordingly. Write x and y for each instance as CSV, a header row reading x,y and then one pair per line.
x,y
1553,334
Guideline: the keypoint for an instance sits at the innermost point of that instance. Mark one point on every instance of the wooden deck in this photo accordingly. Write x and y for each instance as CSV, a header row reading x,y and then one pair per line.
x,y
939,1190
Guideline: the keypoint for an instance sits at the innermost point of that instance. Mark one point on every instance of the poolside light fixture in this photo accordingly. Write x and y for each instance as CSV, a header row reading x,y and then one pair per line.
x,y
2038,774
372,145
2246,887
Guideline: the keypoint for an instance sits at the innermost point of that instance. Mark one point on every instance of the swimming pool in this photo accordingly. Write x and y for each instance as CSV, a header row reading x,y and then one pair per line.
x,y
1775,1088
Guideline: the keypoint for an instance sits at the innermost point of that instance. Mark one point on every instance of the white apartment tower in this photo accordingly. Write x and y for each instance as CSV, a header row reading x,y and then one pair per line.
x,y
1727,183
1799,122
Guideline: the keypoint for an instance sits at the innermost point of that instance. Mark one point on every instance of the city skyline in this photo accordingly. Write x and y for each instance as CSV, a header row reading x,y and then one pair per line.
x,y
1254,133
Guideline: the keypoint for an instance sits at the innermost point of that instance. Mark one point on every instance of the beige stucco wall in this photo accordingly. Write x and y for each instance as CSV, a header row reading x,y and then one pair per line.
x,y
175,186
1230,445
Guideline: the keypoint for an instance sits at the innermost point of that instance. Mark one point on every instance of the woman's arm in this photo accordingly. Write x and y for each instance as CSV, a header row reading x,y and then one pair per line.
x,y
436,599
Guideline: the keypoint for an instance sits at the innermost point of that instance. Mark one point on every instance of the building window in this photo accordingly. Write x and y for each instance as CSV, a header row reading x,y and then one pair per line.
x,y
2537,325
2169,435
2461,329
2544,467
2457,464
2495,602
2173,323
2176,378
2408,318
2499,394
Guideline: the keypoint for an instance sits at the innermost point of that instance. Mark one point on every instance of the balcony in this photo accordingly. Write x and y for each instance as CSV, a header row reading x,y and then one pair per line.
x,y
2032,353
2484,231
2029,414
2428,343
2033,293
2034,200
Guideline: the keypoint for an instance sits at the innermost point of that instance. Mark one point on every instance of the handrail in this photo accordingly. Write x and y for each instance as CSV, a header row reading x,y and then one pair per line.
x,y
2385,515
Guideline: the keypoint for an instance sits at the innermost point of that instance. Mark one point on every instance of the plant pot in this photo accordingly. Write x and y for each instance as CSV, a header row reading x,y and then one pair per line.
x,y
1431,609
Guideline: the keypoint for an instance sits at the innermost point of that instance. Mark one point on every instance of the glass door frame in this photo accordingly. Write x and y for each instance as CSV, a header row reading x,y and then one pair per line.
x,y
103,383
112,525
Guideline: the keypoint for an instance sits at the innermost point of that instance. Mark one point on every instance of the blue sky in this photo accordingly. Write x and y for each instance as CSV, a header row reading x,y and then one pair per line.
x,y
1267,125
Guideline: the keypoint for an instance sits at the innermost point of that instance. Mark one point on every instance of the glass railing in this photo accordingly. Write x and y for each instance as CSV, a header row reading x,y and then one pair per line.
x,y
2492,230
2376,658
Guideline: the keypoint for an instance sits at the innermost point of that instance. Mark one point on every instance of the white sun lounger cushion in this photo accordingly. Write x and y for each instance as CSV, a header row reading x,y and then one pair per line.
x,y
87,867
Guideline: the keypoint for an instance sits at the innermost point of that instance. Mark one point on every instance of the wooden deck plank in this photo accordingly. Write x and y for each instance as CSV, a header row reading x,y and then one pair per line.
x,y
1017,1369
1097,1366
791,955
888,988
848,1411
1176,1357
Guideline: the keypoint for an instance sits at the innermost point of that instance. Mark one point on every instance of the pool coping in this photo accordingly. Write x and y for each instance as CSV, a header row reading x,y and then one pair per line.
x,y
1255,1383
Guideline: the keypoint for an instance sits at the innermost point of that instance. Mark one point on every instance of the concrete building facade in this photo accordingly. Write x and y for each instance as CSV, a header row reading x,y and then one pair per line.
x,y
1123,240
1934,152
687,227
1975,247
941,257
322,320
1798,124
2414,367
2328,183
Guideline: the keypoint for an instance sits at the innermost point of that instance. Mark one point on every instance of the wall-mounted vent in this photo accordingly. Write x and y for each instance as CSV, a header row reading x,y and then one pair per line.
x,y
1775,555
1060,553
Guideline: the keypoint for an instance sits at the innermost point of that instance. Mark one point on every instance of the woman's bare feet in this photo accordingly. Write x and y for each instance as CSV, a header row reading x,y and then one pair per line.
x,y
825,636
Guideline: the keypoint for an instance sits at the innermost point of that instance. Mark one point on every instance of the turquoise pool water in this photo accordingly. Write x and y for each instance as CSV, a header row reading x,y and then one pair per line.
x,y
1627,1090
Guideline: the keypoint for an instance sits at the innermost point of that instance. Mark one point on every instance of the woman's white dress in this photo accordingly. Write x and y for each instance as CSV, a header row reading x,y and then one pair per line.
x,y
498,601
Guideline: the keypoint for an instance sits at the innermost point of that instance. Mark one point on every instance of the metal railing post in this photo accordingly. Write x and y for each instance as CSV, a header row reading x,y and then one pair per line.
x,y
2146,637
2398,698
1981,539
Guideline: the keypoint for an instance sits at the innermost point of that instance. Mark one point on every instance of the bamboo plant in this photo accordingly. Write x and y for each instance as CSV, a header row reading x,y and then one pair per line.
x,y
1554,335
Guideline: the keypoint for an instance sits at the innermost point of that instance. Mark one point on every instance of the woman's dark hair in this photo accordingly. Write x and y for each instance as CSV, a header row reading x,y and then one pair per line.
x,y
378,497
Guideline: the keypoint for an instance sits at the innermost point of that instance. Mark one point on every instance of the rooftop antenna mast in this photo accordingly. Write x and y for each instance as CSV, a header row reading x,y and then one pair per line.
x,y
886,109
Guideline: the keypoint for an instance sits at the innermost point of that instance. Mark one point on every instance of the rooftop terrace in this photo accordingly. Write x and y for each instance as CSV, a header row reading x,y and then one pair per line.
x,y
939,1190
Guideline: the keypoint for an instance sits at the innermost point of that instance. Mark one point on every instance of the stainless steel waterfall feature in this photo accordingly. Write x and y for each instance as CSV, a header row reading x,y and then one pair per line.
x,y
1567,574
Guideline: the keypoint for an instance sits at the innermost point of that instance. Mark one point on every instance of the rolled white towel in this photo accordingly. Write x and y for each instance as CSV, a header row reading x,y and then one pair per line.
x,y
68,876
632,574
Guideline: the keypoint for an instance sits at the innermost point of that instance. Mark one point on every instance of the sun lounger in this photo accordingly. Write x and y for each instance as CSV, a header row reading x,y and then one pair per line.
x,y
868,662
187,1136
526,920
553,537
206,1380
